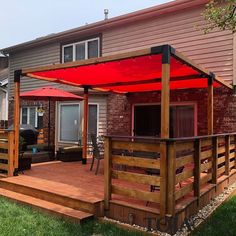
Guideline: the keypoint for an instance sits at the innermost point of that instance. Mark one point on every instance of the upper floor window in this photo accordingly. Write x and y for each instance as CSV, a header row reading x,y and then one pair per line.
x,y
80,50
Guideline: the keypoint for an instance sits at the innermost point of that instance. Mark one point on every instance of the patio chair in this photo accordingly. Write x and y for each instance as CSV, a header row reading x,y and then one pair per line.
x,y
98,152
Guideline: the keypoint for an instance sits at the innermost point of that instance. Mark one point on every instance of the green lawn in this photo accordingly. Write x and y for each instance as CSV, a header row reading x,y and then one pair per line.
x,y
19,220
222,222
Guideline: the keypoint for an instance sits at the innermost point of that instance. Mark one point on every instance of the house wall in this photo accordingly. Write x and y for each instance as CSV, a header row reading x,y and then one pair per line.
x,y
33,57
120,109
213,51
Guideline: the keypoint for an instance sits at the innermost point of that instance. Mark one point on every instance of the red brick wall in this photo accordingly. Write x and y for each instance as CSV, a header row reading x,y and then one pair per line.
x,y
120,109
45,116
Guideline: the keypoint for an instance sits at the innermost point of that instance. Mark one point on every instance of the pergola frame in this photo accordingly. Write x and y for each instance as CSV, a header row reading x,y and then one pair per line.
x,y
166,50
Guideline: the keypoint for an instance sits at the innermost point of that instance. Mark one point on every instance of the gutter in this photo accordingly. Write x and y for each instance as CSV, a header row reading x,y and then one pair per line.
x,y
99,26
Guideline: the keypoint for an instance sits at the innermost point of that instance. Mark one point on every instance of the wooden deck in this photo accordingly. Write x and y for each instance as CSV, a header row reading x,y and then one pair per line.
x,y
70,189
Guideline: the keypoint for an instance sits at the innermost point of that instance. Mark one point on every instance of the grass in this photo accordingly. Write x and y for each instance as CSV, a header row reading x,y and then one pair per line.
x,y
222,222
20,220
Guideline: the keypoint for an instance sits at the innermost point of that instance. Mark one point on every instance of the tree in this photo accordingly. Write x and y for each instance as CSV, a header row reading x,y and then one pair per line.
x,y
220,14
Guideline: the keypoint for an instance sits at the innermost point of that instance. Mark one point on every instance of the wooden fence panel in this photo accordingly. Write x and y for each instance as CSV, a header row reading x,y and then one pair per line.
x,y
7,153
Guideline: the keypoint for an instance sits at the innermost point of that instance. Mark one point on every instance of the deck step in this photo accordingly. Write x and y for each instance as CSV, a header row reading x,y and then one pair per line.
x,y
52,208
33,187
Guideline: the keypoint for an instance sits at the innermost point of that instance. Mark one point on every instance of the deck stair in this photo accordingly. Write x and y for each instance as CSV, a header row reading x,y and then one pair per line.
x,y
64,200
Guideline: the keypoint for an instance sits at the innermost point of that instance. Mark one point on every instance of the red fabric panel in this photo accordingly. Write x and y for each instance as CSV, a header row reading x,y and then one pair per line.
x,y
134,69
49,92
141,68
182,84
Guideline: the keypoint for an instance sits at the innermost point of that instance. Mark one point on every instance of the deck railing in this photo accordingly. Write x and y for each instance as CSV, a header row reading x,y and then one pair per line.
x,y
186,166
7,153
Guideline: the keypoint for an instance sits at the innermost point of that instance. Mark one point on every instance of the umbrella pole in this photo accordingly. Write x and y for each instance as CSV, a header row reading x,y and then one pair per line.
x,y
49,120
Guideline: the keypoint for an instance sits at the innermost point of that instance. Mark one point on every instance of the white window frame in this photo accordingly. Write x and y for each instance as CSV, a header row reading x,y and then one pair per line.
x,y
59,121
28,115
86,48
97,104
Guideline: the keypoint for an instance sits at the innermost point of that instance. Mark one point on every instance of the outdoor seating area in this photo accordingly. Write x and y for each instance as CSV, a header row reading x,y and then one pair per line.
x,y
136,178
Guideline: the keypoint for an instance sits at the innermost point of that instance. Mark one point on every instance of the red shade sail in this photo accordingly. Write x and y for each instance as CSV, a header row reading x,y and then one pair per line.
x,y
131,72
51,93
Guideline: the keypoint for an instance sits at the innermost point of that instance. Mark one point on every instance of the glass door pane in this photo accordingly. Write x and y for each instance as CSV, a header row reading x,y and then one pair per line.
x,y
69,122
147,120
32,116
93,122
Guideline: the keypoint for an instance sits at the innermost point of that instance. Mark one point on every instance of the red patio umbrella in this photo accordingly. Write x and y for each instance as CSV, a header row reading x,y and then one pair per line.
x,y
50,94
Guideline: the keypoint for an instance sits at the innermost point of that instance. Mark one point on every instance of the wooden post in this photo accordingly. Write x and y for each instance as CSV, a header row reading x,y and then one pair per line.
x,y
17,75
235,151
197,168
171,179
227,151
85,128
10,154
210,106
165,93
214,159
107,172
165,116
163,181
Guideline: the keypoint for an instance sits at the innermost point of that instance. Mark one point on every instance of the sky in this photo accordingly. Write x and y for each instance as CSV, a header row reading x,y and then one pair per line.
x,y
24,20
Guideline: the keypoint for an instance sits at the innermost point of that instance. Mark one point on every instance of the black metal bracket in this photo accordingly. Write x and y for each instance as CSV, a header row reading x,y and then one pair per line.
x,y
86,89
234,90
17,75
211,78
166,51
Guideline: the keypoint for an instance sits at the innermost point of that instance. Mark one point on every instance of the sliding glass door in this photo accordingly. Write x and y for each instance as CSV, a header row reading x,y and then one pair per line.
x,y
69,119
147,120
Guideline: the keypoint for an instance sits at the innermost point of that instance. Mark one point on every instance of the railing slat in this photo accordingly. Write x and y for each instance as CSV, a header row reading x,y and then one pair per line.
x,y
136,161
206,154
138,194
3,145
183,146
221,160
182,161
136,146
136,178
3,166
183,191
206,166
220,170
3,156
183,176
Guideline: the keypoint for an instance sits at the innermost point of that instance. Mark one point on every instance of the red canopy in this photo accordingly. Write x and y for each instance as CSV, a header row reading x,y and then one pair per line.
x,y
51,93
130,72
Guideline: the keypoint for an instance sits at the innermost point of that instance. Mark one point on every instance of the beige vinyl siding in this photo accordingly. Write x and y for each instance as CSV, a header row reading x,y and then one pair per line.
x,y
214,50
102,118
34,57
